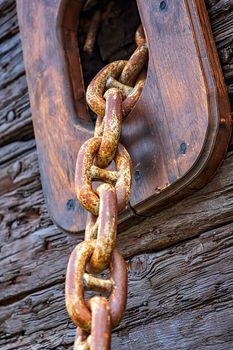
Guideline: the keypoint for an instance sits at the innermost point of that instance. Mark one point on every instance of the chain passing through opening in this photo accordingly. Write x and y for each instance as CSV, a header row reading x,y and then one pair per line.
x,y
112,94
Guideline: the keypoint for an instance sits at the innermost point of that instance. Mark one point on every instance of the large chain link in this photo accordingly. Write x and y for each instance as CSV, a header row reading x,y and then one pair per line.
x,y
111,95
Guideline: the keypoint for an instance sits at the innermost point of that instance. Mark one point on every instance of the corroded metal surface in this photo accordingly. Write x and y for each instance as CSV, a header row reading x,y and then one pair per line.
x,y
77,308
111,95
111,129
97,86
86,171
134,65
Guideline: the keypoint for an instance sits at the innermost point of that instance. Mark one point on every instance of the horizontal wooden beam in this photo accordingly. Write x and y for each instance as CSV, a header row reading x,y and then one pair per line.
x,y
178,298
23,205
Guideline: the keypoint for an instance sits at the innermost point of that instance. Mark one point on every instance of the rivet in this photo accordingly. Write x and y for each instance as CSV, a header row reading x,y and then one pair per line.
x,y
70,205
137,175
222,120
183,148
163,5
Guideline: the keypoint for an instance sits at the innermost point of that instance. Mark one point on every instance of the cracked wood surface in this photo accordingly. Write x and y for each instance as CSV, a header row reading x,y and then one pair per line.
x,y
179,297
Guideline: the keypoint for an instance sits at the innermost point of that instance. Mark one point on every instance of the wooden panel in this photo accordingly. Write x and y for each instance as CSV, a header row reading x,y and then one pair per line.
x,y
180,298
178,132
191,115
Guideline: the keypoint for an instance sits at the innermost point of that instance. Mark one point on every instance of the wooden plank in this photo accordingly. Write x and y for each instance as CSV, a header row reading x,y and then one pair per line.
x,y
180,298
15,115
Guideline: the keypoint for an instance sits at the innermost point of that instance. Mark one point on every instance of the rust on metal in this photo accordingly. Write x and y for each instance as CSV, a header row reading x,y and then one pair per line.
x,y
83,178
111,95
140,37
111,129
97,86
100,337
134,95
103,175
77,308
91,227
134,65
82,340
101,323
118,297
86,172
97,284
123,88
74,292
107,226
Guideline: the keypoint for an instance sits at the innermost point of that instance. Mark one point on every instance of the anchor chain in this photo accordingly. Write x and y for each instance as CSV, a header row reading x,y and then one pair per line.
x,y
111,95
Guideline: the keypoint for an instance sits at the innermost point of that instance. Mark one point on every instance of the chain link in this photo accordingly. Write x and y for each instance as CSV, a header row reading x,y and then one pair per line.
x,y
111,95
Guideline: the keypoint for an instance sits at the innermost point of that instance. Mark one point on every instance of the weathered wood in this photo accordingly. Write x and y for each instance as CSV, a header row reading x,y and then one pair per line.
x,y
22,169
185,303
180,298
208,208
167,162
15,149
15,116
24,217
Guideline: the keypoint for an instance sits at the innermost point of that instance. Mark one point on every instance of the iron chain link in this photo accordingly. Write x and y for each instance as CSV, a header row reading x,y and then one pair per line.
x,y
111,95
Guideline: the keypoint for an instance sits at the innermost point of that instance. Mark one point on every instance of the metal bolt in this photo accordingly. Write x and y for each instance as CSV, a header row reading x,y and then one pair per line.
x,y
70,205
163,5
137,175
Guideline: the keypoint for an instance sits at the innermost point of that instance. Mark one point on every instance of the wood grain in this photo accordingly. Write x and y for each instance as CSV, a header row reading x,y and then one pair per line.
x,y
190,306
185,302
25,223
187,92
178,132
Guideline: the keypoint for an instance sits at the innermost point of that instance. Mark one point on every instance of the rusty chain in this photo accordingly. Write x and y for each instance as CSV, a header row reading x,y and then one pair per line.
x,y
111,95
